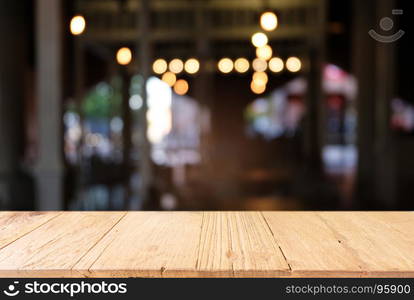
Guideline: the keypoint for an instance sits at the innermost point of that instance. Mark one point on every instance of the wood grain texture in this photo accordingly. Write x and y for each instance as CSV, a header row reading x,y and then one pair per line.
x,y
55,247
147,244
239,244
383,247
207,244
14,225
311,248
357,244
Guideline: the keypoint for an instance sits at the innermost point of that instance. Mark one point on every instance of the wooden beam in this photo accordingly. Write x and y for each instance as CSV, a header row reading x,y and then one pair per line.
x,y
175,35
11,100
49,170
385,77
143,45
168,5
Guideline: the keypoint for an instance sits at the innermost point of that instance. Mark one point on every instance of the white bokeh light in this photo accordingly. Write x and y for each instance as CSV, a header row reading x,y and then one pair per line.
x,y
135,102
159,115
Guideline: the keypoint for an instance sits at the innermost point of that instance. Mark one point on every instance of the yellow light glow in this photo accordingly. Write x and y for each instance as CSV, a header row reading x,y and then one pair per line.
x,y
124,56
256,88
264,52
241,65
276,65
259,39
181,87
176,66
192,66
293,64
225,65
259,65
77,25
159,66
260,78
169,78
268,21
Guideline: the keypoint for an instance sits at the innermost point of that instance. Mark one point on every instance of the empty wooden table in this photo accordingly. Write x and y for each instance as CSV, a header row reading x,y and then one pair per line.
x,y
206,244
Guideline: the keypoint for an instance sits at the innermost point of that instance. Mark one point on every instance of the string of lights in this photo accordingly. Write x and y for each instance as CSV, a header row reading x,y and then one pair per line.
x,y
263,61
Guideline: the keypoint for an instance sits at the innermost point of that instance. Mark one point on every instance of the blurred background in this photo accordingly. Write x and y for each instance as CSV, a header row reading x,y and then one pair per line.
x,y
206,105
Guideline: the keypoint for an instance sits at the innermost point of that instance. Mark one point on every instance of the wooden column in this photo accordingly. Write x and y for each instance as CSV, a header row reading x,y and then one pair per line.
x,y
364,69
79,82
374,68
385,91
203,80
203,52
11,98
315,102
126,134
49,96
144,68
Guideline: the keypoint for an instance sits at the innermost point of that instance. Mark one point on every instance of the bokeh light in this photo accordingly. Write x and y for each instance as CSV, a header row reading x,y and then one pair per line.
x,y
159,115
265,52
259,65
260,78
259,39
257,88
159,66
181,87
192,66
276,65
225,65
176,66
124,56
135,102
169,78
77,25
241,65
293,64
268,21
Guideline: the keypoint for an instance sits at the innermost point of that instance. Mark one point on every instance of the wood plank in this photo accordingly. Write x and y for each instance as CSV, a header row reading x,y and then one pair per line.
x,y
384,243
346,243
14,225
399,221
147,244
55,247
238,244
310,246
207,244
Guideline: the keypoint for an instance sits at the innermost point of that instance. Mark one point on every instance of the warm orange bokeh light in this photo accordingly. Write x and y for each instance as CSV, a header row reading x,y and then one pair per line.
x,y
181,87
242,65
268,21
169,78
124,56
260,78
276,65
293,64
225,65
264,52
176,66
159,66
257,88
259,65
77,25
192,66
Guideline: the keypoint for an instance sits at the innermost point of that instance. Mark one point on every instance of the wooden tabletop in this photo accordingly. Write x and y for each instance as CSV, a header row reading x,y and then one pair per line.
x,y
206,244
